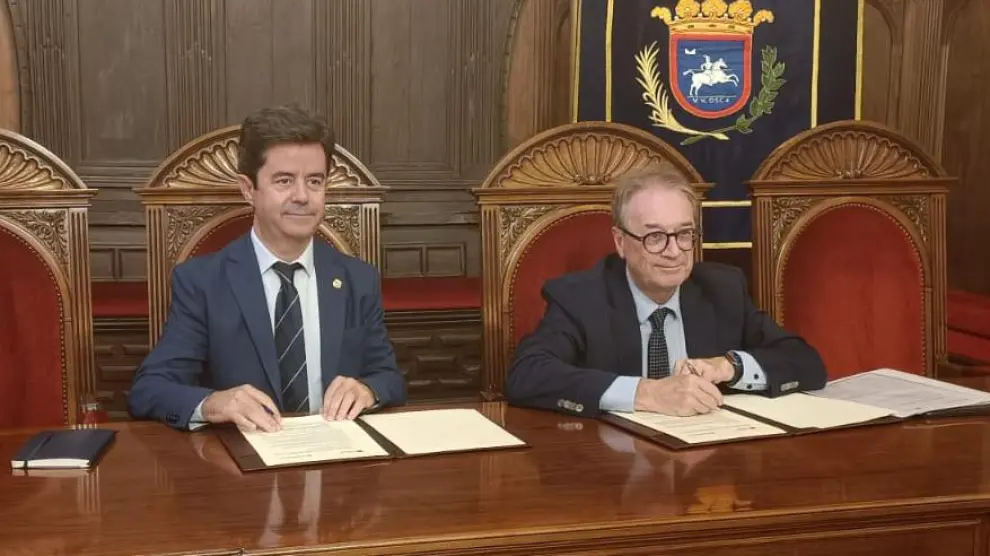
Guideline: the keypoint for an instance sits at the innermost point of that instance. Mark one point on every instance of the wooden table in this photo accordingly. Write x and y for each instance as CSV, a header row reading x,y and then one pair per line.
x,y
582,488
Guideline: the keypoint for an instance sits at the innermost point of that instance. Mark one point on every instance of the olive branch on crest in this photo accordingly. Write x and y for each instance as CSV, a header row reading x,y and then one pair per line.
x,y
655,96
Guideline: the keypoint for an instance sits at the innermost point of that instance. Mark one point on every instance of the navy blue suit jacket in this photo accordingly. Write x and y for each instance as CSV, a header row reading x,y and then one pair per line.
x,y
218,333
589,335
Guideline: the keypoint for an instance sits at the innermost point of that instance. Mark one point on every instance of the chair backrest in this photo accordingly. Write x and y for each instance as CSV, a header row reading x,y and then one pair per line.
x,y
545,211
849,242
194,207
46,323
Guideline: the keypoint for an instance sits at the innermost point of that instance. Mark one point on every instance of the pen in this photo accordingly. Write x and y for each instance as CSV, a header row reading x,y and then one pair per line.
x,y
691,369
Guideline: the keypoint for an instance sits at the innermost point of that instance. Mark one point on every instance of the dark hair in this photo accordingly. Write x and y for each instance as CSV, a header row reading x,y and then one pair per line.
x,y
278,125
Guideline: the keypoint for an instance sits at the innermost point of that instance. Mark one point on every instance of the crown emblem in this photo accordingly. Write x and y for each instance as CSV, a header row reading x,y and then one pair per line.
x,y
712,16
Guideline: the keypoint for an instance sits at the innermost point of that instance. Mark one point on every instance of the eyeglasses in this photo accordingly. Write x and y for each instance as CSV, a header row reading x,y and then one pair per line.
x,y
656,242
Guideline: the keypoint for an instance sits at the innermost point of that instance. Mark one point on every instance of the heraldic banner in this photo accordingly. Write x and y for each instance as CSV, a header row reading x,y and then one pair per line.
x,y
725,82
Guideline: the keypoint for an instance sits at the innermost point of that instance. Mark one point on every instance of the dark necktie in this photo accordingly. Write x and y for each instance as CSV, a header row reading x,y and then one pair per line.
x,y
290,343
657,364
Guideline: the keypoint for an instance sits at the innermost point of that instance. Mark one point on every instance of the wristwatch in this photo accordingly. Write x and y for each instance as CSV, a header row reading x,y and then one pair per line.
x,y
737,366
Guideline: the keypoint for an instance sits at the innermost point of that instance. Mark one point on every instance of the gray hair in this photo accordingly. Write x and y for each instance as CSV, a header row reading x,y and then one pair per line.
x,y
665,177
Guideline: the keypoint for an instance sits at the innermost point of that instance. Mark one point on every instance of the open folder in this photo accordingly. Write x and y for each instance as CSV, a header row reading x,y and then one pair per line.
x,y
312,439
876,397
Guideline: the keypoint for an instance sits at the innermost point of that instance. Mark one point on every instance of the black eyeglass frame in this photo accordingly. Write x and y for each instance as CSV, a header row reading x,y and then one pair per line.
x,y
693,235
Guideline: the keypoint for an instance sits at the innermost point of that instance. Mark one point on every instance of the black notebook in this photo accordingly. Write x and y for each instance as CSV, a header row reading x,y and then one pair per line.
x,y
63,449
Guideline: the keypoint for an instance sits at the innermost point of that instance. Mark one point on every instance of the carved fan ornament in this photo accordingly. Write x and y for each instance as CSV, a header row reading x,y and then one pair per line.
x,y
582,159
513,222
216,166
212,166
21,170
49,227
849,155
342,174
344,220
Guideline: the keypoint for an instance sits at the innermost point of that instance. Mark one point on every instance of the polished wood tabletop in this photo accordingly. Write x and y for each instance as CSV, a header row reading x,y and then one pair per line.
x,y
919,487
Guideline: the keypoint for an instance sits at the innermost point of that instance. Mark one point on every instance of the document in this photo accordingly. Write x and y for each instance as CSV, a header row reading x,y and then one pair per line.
x,y
313,439
903,393
440,430
807,412
719,425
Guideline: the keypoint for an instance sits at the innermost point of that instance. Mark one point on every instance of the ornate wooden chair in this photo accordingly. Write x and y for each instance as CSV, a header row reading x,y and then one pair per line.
x,y
545,211
194,207
46,335
849,240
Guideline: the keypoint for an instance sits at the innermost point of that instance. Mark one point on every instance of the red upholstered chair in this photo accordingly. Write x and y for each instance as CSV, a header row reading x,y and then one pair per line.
x,y
545,211
849,241
194,207
46,335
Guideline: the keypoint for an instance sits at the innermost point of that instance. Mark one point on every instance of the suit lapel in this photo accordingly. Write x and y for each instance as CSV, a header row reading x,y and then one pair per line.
x,y
245,281
331,290
622,314
700,324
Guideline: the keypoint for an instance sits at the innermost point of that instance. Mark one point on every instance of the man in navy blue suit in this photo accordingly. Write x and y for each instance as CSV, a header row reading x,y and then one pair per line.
x,y
278,321
649,329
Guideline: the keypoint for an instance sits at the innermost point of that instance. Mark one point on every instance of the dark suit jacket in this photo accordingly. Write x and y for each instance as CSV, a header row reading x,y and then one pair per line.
x,y
589,335
218,334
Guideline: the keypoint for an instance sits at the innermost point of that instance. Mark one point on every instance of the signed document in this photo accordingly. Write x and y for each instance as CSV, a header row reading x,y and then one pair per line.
x,y
718,426
313,439
807,412
438,431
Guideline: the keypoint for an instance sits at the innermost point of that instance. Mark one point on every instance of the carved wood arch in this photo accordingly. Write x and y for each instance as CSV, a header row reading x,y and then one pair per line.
x,y
195,188
44,204
564,171
848,163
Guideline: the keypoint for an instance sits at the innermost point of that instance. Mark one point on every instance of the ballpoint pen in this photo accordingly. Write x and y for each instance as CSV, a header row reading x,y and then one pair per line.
x,y
691,369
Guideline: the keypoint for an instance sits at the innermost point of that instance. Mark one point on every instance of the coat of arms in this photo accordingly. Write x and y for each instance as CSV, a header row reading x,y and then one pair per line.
x,y
710,65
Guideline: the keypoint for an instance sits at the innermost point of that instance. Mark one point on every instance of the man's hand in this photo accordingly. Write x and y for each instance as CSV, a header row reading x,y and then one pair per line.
x,y
713,369
680,395
246,406
346,398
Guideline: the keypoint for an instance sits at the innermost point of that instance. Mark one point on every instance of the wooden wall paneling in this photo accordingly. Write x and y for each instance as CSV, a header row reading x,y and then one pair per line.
x,y
194,68
922,91
45,34
965,142
10,113
434,131
538,77
882,53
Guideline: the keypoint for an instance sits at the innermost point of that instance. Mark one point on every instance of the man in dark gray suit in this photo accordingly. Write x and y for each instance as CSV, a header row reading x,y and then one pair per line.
x,y
648,329
278,321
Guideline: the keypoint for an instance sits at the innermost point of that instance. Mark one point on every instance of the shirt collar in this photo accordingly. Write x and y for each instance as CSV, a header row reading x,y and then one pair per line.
x,y
646,306
266,258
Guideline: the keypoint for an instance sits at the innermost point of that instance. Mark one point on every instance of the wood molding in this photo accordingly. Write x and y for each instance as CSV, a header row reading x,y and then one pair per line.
x,y
922,89
10,98
194,69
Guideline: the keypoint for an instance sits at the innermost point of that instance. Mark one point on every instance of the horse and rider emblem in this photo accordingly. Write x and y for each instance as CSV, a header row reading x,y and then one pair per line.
x,y
710,57
712,88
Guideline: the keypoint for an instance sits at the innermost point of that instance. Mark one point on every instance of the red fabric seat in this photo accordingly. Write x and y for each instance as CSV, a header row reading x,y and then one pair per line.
x,y
120,299
431,293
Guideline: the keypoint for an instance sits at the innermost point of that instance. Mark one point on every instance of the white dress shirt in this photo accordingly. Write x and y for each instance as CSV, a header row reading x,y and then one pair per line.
x,y
621,394
305,283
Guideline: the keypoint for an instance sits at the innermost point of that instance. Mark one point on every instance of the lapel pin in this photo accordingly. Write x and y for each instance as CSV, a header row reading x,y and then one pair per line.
x,y
337,283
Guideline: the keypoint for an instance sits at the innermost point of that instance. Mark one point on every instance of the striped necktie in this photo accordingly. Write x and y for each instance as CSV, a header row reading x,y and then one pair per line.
x,y
290,342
